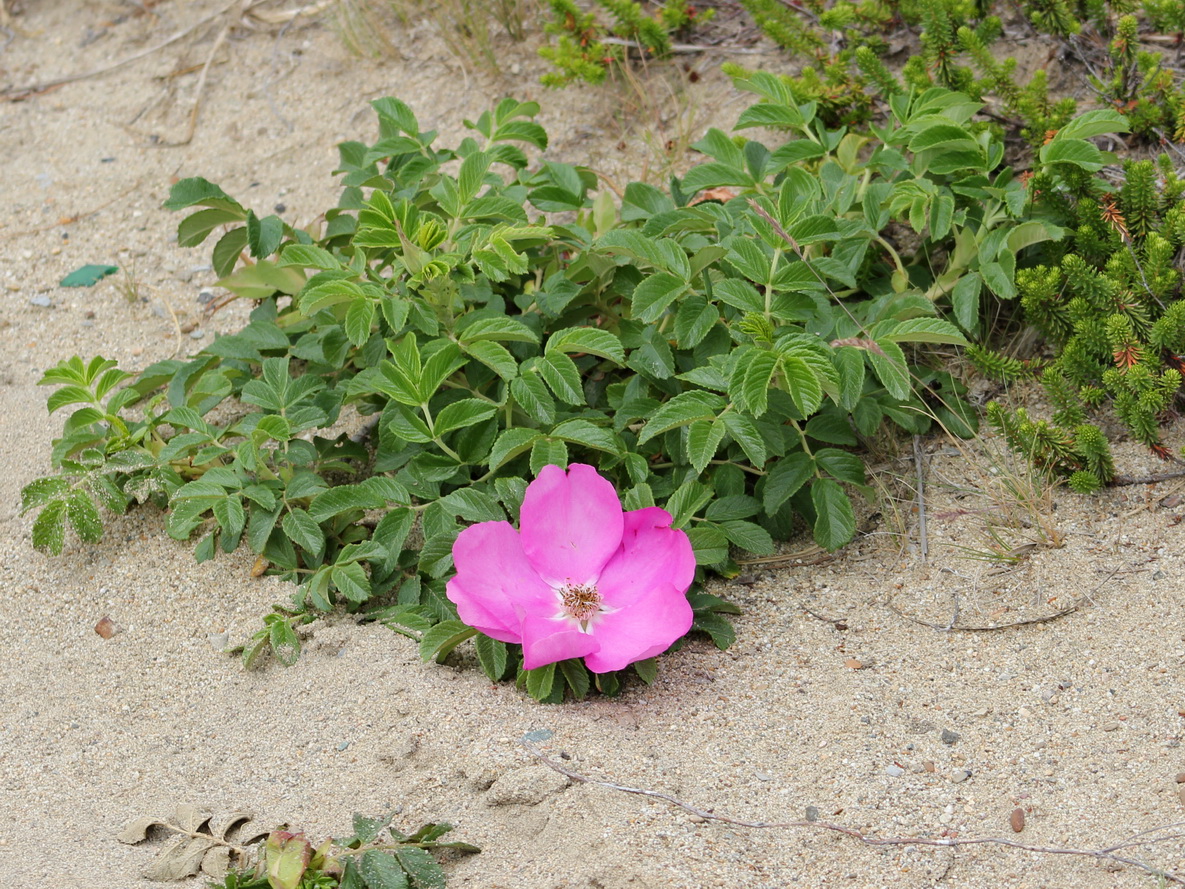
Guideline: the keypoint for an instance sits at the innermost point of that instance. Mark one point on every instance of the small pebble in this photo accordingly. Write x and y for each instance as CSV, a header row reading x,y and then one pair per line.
x,y
196,335
894,771
763,776
343,745
812,813
538,735
949,737
960,776
218,641
105,627
853,664
1181,794
41,301
929,766
1181,777
1017,819
1158,575
1111,727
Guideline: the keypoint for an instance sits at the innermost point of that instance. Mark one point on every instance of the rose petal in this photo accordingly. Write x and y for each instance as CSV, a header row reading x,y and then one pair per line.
x,y
652,555
643,629
546,640
495,585
571,524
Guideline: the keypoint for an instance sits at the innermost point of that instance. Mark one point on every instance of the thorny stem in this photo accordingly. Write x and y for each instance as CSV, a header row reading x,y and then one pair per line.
x,y
1106,853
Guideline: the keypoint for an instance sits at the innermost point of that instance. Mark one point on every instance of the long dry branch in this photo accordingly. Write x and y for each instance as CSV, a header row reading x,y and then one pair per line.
x,y
1152,836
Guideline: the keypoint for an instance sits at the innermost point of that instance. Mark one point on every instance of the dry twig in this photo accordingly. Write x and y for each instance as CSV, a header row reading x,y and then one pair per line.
x,y
1149,837
919,468
20,92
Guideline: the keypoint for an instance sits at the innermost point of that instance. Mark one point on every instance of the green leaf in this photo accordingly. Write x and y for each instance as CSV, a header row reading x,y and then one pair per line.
x,y
540,681
503,329
561,374
718,627
943,135
890,368
492,655
590,340
575,673
381,871
998,279
709,543
654,294
495,356
803,384
460,414
196,227
1094,123
83,516
583,432
925,330
43,490
473,506
308,256
703,440
196,191
351,581
49,529
510,444
835,521
359,320
1081,154
284,642
548,452
440,640
745,433
748,536
785,478
964,300
304,532
647,670
263,235
421,867
680,411
688,499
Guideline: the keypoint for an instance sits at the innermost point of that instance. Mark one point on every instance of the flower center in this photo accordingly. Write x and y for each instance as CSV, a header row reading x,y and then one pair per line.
x,y
581,602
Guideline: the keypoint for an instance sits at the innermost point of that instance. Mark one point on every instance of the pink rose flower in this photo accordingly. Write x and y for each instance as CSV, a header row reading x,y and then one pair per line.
x,y
581,578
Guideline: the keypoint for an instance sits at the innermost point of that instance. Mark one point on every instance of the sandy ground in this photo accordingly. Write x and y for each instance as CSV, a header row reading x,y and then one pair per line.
x,y
834,697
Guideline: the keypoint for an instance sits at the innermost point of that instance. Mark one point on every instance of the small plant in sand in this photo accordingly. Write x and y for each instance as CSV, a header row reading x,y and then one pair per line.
x,y
231,850
717,351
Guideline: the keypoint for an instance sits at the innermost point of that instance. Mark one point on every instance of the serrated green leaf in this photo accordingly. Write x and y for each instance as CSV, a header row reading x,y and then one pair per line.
x,y
421,867
891,369
654,295
745,433
460,414
440,640
682,410
703,440
492,656
305,532
510,444
380,870
49,528
494,356
43,490
748,536
575,674
590,340
351,581
835,520
718,627
561,375
83,516
540,681
583,432
925,330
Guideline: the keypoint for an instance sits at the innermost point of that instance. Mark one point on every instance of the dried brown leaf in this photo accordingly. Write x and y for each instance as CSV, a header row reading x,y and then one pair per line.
x,y
191,819
216,862
179,858
137,831
232,822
